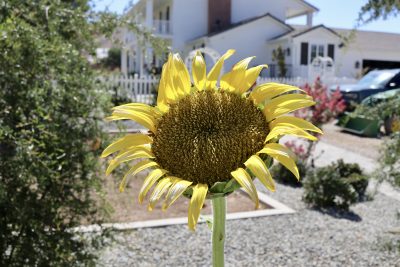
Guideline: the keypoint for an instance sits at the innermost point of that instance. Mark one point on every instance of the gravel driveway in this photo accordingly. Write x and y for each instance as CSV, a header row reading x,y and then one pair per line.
x,y
307,238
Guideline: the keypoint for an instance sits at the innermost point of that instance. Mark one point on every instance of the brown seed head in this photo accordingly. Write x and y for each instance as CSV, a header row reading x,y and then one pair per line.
x,y
208,134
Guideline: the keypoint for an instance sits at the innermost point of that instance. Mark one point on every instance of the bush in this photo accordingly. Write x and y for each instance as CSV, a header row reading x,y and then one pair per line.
x,y
338,185
113,60
390,161
50,136
282,175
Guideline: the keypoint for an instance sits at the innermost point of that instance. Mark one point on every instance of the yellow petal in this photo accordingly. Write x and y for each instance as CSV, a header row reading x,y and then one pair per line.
x,y
283,155
175,191
127,141
182,75
270,90
243,64
214,73
196,203
296,122
134,170
158,191
285,130
142,118
131,154
250,78
285,104
166,90
138,107
149,182
257,166
244,179
199,71
233,80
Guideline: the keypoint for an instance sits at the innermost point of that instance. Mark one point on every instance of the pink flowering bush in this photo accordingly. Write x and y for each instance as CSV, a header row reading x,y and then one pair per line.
x,y
326,109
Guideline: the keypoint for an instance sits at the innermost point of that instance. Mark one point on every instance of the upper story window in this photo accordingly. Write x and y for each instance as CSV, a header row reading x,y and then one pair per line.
x,y
167,13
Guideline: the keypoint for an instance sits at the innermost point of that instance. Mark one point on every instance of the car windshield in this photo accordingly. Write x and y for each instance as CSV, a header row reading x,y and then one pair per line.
x,y
376,78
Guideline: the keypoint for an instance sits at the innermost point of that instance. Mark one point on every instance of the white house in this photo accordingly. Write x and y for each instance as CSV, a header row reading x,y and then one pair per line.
x,y
256,27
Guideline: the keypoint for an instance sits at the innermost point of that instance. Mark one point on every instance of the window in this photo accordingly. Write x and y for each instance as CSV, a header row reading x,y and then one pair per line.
x,y
304,54
167,14
316,50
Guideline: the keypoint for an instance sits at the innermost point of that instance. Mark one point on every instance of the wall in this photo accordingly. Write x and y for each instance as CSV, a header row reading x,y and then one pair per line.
x,y
189,20
246,9
318,36
358,52
248,40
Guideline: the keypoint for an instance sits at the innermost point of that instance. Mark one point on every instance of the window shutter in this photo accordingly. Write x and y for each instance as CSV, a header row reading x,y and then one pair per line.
x,y
331,51
304,54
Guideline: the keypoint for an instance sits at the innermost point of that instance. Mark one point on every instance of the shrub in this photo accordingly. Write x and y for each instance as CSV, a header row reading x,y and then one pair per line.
x,y
338,185
113,60
283,175
390,161
50,136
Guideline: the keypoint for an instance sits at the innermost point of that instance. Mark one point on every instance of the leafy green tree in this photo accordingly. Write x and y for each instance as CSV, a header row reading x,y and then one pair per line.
x,y
376,9
50,133
113,60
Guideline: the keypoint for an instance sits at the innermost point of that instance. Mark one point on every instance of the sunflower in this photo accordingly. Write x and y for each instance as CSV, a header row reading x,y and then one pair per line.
x,y
206,140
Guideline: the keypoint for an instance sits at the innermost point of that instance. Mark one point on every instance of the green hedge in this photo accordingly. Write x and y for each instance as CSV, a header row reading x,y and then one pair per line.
x,y
338,185
49,132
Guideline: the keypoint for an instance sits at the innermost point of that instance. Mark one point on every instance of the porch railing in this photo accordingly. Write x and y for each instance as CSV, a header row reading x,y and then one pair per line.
x,y
162,27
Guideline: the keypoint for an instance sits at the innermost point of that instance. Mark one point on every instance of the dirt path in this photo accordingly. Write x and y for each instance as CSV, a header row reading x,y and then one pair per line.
x,y
366,146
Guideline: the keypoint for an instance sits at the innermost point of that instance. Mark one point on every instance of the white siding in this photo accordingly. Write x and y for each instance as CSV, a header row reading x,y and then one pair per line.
x,y
319,36
248,40
358,52
247,9
189,20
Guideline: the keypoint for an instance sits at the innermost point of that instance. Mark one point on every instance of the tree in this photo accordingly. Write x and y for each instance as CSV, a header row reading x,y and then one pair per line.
x,y
376,9
113,60
278,55
50,132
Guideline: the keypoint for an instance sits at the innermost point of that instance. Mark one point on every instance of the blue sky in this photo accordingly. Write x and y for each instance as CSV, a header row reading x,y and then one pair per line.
x,y
333,13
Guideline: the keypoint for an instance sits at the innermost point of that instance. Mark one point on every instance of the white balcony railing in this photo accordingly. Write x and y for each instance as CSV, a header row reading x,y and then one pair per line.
x,y
162,27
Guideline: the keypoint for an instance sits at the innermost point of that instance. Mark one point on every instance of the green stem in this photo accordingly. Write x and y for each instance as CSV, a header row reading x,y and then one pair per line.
x,y
218,230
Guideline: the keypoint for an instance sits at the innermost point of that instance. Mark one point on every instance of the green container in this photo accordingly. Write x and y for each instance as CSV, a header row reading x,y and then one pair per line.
x,y
359,125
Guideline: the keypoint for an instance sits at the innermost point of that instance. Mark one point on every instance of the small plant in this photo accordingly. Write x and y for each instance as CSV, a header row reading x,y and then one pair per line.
x,y
278,55
338,185
286,177
390,161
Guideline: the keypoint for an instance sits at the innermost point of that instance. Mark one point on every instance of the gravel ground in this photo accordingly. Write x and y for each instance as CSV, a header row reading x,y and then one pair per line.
x,y
307,238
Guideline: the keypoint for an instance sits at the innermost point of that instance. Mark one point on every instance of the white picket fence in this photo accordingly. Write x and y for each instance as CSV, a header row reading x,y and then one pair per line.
x,y
143,89
299,82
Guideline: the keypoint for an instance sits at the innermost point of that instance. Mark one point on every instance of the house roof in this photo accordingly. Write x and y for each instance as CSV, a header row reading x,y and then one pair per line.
x,y
299,30
383,41
308,8
245,22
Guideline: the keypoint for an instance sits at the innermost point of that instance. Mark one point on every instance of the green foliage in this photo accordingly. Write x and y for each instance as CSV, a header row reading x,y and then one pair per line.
x,y
278,55
113,60
282,175
379,109
336,186
383,110
390,161
50,109
378,9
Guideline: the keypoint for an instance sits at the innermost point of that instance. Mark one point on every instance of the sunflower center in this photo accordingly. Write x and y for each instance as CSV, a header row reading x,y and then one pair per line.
x,y
208,134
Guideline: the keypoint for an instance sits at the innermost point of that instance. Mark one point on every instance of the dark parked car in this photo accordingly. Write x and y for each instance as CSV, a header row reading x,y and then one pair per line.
x,y
373,82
